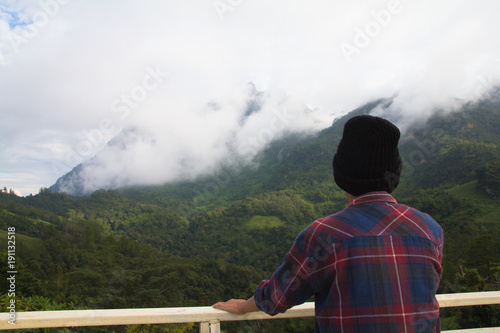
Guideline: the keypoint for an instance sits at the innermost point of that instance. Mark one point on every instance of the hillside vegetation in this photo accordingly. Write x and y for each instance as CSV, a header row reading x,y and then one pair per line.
x,y
195,243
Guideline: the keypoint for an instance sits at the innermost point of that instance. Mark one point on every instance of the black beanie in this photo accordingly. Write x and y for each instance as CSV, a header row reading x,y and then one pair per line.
x,y
367,157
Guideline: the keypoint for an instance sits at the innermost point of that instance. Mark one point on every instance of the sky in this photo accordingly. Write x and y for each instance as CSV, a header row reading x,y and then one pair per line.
x,y
76,73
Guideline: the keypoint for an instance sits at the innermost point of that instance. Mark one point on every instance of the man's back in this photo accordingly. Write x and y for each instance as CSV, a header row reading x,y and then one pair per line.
x,y
373,267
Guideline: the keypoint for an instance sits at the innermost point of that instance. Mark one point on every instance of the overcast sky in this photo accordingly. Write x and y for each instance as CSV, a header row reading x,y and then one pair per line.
x,y
73,73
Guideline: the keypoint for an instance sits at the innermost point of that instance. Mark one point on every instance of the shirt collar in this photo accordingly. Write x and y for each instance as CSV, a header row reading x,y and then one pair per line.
x,y
372,197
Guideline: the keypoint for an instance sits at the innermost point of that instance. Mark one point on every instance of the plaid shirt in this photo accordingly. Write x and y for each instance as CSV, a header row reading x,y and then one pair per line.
x,y
373,267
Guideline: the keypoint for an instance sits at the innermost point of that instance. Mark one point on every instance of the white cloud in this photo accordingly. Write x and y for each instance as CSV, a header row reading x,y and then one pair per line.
x,y
59,84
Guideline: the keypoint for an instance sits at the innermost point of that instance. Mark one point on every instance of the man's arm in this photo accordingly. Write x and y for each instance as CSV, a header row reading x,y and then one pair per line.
x,y
292,276
237,306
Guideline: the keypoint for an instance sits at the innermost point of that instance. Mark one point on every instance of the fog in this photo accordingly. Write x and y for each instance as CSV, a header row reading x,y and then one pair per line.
x,y
174,79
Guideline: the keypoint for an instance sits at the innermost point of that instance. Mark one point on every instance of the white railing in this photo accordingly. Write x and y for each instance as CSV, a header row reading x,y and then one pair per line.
x,y
208,317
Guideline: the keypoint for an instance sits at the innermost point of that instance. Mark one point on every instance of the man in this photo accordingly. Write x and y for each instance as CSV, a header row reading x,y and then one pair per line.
x,y
374,266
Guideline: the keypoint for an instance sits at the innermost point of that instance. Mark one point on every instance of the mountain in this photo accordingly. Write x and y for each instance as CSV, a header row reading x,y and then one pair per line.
x,y
137,156
447,148
97,173
301,158
194,242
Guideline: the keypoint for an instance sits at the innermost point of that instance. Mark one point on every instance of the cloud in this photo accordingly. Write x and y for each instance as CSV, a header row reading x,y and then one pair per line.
x,y
66,66
166,145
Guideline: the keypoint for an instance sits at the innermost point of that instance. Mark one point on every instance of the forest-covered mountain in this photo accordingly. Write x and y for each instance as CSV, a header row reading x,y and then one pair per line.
x,y
198,242
125,161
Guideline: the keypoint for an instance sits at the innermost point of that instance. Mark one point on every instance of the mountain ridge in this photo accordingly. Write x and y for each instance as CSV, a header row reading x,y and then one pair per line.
x,y
299,161
136,246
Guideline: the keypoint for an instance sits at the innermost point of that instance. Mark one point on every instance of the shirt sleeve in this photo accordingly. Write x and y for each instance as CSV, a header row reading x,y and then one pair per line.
x,y
290,284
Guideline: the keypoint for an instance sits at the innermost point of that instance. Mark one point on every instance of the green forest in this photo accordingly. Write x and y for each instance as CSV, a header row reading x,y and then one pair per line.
x,y
193,243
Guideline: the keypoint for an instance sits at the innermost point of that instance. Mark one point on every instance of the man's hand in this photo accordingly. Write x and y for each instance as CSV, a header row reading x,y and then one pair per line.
x,y
237,306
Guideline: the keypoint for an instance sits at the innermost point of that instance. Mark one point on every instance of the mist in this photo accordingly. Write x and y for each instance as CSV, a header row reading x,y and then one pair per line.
x,y
179,88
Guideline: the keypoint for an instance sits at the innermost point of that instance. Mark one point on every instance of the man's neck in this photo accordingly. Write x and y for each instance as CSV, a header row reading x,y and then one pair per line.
x,y
350,197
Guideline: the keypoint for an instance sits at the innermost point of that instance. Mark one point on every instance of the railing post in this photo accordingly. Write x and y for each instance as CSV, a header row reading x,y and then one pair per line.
x,y
212,326
204,327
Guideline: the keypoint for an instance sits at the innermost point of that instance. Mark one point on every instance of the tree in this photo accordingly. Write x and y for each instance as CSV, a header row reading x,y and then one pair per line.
x,y
489,178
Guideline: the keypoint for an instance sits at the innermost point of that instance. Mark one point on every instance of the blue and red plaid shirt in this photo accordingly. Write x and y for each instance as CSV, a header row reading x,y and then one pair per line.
x,y
373,267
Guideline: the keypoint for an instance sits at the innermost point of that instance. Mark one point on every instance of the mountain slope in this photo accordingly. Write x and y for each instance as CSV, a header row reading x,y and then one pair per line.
x,y
144,245
449,147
